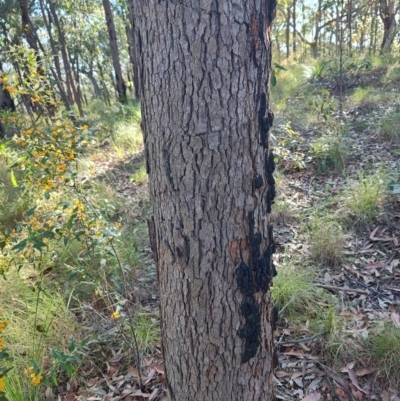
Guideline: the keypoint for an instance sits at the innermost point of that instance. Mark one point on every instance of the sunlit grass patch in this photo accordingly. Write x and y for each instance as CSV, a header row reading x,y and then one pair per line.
x,y
140,176
327,240
338,347
127,139
288,82
147,328
39,320
382,347
316,69
294,292
360,97
389,126
365,198
37,316
105,199
330,151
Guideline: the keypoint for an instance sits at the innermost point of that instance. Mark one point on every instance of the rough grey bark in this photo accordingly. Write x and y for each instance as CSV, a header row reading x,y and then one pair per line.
x,y
120,84
204,67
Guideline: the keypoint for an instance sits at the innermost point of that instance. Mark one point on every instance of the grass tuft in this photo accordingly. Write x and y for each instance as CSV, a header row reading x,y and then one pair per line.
x,y
327,240
330,151
390,126
140,176
366,197
293,291
383,349
282,212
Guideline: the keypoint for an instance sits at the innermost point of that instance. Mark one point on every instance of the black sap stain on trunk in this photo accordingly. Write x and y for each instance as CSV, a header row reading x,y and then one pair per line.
x,y
250,280
265,120
269,171
250,331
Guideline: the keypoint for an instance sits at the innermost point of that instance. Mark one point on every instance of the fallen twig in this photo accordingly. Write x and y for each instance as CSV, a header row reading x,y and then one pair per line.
x,y
332,287
302,340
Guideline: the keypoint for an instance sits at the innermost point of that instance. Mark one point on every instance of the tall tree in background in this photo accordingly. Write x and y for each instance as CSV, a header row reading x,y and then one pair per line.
x,y
204,68
119,81
71,79
388,11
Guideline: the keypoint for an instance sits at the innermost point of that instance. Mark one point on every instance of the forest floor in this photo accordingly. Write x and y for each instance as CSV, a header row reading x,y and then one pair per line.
x,y
337,229
338,223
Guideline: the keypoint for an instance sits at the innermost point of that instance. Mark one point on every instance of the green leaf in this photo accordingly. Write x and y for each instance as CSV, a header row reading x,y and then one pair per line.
x,y
31,211
71,345
13,179
47,195
20,245
279,67
273,78
4,372
39,245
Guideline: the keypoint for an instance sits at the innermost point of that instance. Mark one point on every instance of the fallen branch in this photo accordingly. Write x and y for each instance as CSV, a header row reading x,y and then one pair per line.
x,y
332,287
302,340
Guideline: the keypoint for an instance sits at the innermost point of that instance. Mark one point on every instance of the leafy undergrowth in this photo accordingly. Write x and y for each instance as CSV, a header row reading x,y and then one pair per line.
x,y
337,222
79,287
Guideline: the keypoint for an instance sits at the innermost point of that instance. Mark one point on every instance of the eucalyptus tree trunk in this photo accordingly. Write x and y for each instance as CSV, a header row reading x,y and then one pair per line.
x,y
388,11
119,81
204,67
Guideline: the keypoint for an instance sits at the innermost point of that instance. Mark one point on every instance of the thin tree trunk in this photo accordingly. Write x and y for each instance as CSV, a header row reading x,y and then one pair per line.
x,y
136,82
288,16
120,84
67,65
294,25
57,74
204,68
349,22
106,93
92,79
